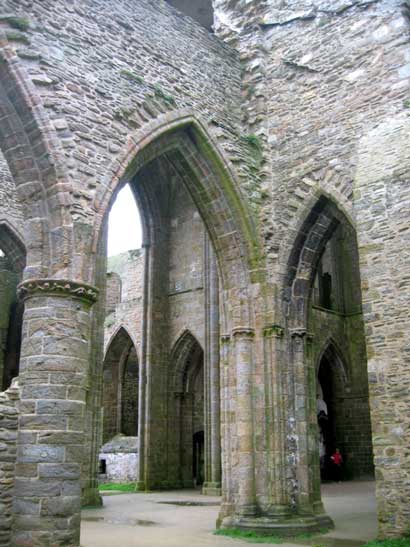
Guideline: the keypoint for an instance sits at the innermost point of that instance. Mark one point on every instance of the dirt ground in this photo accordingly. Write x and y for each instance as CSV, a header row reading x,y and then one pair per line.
x,y
166,519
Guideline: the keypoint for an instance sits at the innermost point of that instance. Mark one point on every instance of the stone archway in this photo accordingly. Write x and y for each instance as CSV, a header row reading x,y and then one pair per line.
x,y
120,387
179,149
187,400
322,299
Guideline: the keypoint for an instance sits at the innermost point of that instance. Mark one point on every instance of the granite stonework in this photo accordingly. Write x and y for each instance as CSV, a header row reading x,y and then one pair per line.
x,y
9,413
266,158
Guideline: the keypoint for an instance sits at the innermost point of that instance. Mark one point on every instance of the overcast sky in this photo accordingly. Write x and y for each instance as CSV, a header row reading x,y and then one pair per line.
x,y
124,226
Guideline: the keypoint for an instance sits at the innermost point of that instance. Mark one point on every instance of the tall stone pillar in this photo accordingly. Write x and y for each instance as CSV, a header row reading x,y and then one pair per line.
x,y
305,431
243,347
53,378
227,437
212,485
276,402
142,386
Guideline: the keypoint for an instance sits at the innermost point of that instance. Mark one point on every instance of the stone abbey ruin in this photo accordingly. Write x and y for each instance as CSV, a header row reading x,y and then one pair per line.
x,y
266,319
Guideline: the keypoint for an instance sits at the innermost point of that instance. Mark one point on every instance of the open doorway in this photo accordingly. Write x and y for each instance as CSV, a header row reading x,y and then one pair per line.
x,y
339,353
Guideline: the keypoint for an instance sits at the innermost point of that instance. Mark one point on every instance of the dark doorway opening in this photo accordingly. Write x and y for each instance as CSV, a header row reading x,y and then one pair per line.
x,y
198,458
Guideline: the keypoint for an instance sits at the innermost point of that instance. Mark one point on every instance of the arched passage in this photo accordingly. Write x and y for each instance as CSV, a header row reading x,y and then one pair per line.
x,y
187,400
178,156
120,387
331,384
322,298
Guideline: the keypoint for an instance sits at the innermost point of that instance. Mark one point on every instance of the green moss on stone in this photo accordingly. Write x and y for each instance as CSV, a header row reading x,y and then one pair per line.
x,y
17,37
19,23
132,76
255,148
164,96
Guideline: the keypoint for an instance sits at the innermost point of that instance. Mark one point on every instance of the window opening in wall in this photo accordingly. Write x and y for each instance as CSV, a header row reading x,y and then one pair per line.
x,y
124,224
2,255
326,291
199,10
102,470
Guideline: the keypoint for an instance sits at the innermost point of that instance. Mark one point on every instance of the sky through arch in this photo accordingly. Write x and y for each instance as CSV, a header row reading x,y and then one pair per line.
x,y
124,224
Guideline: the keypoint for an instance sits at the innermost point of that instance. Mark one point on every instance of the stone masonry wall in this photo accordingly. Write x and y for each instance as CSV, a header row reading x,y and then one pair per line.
x,y
8,442
186,268
10,208
326,94
316,77
382,193
104,75
127,270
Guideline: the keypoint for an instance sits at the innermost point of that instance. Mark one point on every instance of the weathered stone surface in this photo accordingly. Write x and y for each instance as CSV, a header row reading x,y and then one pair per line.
x,y
288,122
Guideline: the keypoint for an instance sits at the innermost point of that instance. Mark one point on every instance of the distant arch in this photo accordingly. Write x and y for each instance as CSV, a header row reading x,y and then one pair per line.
x,y
120,386
183,142
315,231
333,354
11,243
186,352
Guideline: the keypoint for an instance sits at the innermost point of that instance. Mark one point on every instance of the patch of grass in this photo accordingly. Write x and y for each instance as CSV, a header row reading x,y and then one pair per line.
x,y
393,542
406,103
248,535
120,487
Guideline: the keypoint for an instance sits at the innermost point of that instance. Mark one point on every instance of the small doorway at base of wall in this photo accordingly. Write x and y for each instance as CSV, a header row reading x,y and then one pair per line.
x,y
198,459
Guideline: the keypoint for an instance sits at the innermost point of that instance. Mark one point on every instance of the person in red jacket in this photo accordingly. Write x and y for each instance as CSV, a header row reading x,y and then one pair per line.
x,y
337,461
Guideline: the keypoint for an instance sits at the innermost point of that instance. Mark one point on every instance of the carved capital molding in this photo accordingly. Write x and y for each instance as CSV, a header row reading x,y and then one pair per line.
x,y
225,338
298,333
302,334
57,287
273,330
248,332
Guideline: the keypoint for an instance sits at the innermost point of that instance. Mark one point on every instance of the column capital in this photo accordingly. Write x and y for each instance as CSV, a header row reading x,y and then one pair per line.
x,y
273,330
248,332
302,333
58,287
225,338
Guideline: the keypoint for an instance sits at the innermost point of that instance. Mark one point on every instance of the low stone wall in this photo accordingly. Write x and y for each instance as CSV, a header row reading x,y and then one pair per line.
x,y
119,460
8,441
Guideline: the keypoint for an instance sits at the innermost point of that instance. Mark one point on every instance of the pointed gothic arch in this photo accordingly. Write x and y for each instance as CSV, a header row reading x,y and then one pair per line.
x,y
28,142
187,404
320,234
120,386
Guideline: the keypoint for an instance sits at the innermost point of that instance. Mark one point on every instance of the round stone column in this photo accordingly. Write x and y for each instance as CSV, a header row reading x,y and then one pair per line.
x,y
243,347
53,379
213,471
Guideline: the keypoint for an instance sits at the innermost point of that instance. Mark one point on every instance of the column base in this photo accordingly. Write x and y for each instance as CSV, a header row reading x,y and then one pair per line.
x,y
91,497
280,525
140,486
211,489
